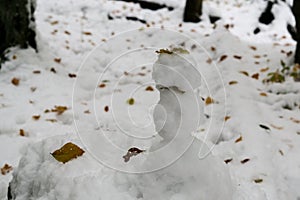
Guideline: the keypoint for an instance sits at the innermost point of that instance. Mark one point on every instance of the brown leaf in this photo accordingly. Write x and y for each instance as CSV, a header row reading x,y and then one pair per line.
x,y
255,76
258,180
222,58
244,72
232,82
239,139
58,60
209,60
22,132
237,57
297,121
226,118
15,81
72,75
263,94
87,33
228,160
245,160
149,88
281,152
264,69
36,117
277,127
67,152
102,85
209,100
54,22
132,152
36,72
106,108
257,56
87,112
6,169
67,33
59,109
253,48
53,70
51,120
212,48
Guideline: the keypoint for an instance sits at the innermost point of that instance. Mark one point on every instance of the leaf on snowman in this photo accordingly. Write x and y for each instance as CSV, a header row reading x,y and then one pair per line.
x,y
67,152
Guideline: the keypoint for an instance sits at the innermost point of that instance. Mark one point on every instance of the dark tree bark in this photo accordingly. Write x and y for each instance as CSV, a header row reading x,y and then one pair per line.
x,y
16,25
296,11
192,11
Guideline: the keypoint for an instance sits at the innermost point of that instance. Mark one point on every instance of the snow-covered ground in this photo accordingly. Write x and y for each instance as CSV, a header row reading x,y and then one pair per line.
x,y
253,127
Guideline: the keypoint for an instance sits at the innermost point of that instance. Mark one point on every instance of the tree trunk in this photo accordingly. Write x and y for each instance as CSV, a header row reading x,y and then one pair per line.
x,y
17,26
296,11
192,11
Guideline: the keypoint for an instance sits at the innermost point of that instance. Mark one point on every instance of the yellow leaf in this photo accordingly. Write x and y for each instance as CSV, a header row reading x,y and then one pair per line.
x,y
209,100
67,152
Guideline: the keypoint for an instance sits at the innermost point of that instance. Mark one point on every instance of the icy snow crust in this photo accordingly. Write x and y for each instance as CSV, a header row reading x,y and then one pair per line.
x,y
70,30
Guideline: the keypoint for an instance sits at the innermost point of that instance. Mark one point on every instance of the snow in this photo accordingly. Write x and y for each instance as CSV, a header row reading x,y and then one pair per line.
x,y
121,54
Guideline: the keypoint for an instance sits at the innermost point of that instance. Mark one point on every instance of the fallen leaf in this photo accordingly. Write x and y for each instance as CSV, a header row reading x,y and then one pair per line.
x,y
59,109
51,120
264,127
222,58
239,139
263,94
237,57
58,60
33,89
22,132
67,33
72,75
15,81
227,118
281,152
6,169
87,112
67,152
253,48
53,70
106,108
102,85
255,76
36,117
257,56
264,69
277,127
209,60
244,72
212,48
209,100
132,152
36,72
232,82
166,51
87,33
54,22
228,160
259,180
149,88
130,101
297,121
245,160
